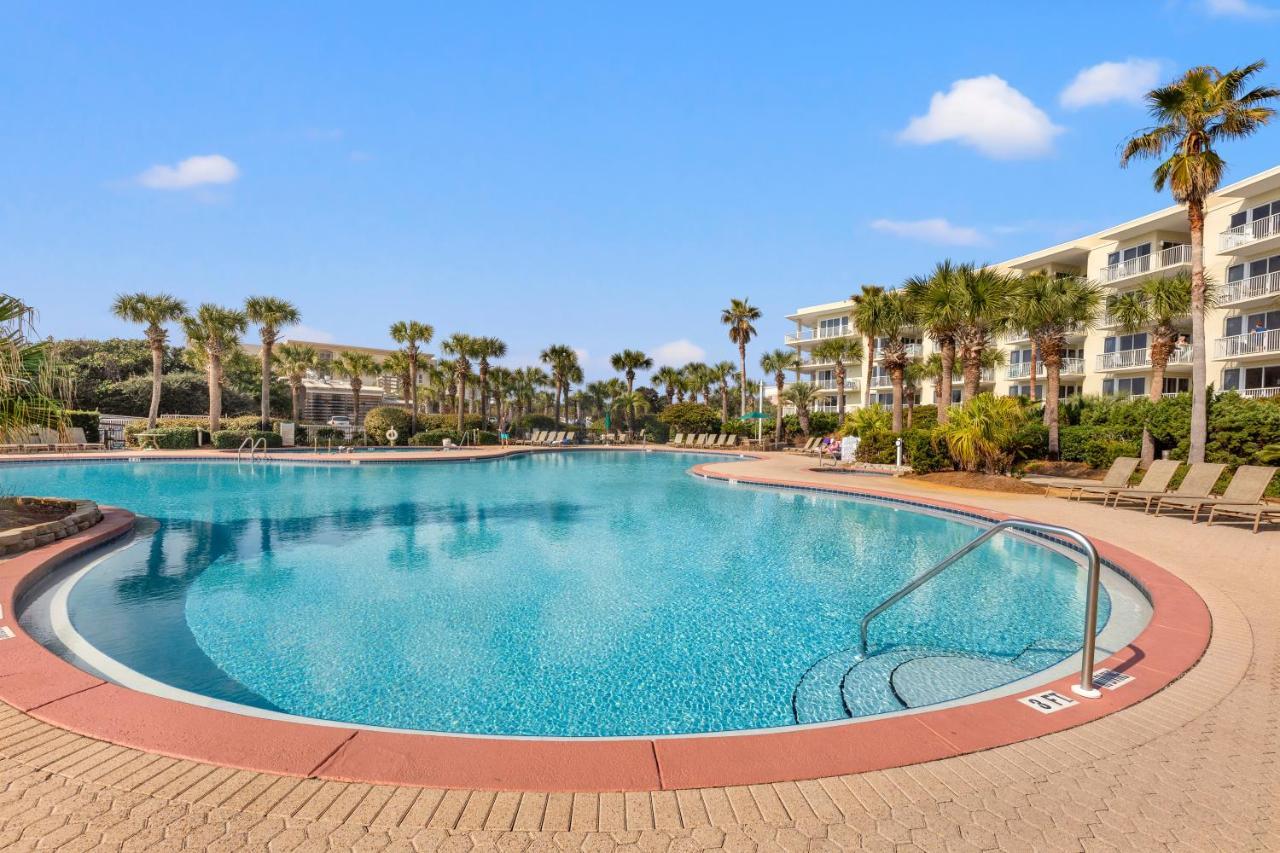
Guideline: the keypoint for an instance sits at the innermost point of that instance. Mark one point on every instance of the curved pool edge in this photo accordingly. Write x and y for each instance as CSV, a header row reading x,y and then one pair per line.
x,y
38,682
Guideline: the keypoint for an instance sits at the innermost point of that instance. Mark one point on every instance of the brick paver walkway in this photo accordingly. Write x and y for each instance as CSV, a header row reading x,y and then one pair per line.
x,y
1193,768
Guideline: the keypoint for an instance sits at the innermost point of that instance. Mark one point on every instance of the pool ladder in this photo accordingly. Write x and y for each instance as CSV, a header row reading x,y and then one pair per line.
x,y
254,446
1085,687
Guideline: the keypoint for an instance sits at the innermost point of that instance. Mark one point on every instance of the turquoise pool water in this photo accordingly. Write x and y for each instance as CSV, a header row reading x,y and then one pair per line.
x,y
574,594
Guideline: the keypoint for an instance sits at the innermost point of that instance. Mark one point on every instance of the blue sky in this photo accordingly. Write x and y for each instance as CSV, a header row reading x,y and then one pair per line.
x,y
566,172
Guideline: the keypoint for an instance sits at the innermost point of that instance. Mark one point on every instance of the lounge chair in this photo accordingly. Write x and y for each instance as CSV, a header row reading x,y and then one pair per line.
x,y
567,438
1198,483
691,440
82,441
721,439
706,440
678,440
534,437
732,442
1117,477
37,440
808,445
1156,479
1245,490
1256,510
554,438
817,448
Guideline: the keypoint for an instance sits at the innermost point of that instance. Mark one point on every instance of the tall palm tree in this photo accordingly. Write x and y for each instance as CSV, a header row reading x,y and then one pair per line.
x,y
1049,308
841,352
669,378
1190,116
697,380
866,307
984,298
295,361
1156,307
935,301
214,331
463,348
485,349
397,364
501,379
801,395
31,384
930,370
354,366
565,370
628,402
885,314
778,362
721,373
627,363
437,376
152,310
597,398
739,317
412,335
271,314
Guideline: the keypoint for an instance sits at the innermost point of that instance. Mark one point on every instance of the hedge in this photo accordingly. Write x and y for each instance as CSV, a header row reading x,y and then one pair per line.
x,y
87,421
231,439
923,454
434,438
691,417
427,423
383,418
132,429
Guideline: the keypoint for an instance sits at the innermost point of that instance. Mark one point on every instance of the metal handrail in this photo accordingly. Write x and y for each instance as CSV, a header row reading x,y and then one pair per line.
x,y
1085,687
254,449
240,449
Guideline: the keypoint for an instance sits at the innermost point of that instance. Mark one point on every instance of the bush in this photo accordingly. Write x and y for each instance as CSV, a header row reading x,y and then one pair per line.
x,y
654,429
923,454
383,418
176,438
922,417
985,433
231,439
529,423
325,434
1098,446
485,437
866,420
434,438
691,417
878,447
87,421
132,429
1031,441
179,392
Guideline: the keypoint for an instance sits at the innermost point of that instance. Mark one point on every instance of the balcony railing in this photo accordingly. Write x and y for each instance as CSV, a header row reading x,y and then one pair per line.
x,y
1251,343
1128,358
1022,370
1250,232
819,334
850,384
1258,287
1171,257
1260,392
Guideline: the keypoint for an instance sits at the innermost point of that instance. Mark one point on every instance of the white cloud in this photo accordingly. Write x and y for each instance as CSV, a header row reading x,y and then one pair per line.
x,y
308,333
676,353
1105,82
931,231
1238,9
987,114
192,172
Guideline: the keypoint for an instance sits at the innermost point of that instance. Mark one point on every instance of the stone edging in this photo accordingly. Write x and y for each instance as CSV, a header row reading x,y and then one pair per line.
x,y
83,515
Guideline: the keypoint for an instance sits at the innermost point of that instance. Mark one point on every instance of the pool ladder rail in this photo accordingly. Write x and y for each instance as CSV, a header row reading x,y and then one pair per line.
x,y
254,445
1085,687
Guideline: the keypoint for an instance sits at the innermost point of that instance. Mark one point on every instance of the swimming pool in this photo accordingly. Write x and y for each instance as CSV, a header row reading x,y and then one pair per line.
x,y
555,594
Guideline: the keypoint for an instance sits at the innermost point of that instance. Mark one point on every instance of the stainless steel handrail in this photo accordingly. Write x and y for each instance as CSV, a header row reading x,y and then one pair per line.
x,y
1085,687
240,449
254,448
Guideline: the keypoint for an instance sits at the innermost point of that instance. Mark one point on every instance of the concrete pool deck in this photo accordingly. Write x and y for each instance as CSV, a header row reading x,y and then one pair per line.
x,y
1192,765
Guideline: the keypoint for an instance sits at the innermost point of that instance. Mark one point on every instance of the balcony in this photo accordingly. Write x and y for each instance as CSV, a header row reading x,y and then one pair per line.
x,y
1070,366
1174,256
1249,344
810,334
850,384
1132,359
1259,392
1253,289
1249,233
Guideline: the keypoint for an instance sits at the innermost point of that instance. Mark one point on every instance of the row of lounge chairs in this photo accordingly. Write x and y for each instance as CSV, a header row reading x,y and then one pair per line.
x,y
1241,499
815,446
49,441
547,438
704,440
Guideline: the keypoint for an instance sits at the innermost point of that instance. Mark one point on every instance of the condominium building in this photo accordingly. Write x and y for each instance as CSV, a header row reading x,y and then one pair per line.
x,y
1242,255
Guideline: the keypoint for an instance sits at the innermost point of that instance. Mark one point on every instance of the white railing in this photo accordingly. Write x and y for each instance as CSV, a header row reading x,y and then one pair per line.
x,y
1250,232
1260,392
1128,358
850,384
880,379
819,334
988,375
1022,370
1251,343
1267,284
1170,257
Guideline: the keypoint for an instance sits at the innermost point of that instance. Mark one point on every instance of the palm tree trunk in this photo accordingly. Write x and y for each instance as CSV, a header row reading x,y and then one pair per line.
x,y
355,407
742,364
294,405
1035,353
870,350
781,382
1052,369
895,377
972,374
413,393
802,412
1159,364
724,402
215,392
462,392
1199,375
840,393
157,382
942,397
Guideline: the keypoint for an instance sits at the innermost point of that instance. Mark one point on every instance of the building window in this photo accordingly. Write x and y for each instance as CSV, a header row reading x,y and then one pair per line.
x,y
1128,387
1133,253
1176,385
1262,211
1261,377
833,327
1123,343
1262,321
1254,269
1064,390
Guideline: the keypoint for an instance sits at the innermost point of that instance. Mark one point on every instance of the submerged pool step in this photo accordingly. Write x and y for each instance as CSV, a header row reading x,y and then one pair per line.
x,y
941,678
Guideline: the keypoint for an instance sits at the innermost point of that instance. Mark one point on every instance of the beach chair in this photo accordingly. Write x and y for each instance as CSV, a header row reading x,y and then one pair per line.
x,y
691,440
1257,510
554,438
732,442
705,439
1156,479
678,440
82,441
38,440
1244,491
1117,476
816,448
1198,483
721,439
567,438
808,445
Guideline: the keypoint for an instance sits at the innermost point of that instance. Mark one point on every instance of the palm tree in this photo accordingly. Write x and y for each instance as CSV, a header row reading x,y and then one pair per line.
x,y
778,362
437,375
597,397
355,366
501,379
214,331
697,380
1156,307
1049,308
463,348
866,307
1203,107
722,372
839,351
627,363
935,301
739,317
565,370
930,370
629,402
152,310
984,297
886,314
412,335
270,313
669,379
397,364
295,361
31,384
485,349
801,395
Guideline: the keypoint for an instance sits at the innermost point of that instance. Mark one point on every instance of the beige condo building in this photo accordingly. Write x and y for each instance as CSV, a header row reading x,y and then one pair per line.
x,y
1242,255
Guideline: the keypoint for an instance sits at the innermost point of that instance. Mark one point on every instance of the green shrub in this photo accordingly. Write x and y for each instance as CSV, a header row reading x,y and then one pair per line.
x,y
383,418
485,437
87,421
691,417
923,454
655,430
132,429
878,447
529,423
176,438
434,438
231,439
427,423
923,417
179,392
985,433
326,434
866,420
1031,441
1098,446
